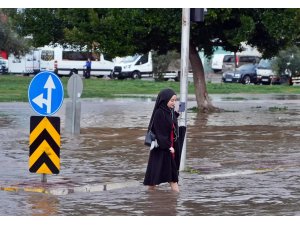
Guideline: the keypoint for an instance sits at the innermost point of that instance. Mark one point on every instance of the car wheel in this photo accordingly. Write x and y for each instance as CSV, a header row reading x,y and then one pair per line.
x,y
246,79
177,78
217,71
135,75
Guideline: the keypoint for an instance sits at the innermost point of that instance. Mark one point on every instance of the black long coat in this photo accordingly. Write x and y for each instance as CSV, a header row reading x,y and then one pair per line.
x,y
162,167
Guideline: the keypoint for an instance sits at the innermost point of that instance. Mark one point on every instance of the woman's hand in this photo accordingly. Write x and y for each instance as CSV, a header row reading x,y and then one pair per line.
x,y
172,150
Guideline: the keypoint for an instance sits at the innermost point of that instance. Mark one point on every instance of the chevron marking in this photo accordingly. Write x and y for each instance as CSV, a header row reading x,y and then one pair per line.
x,y
45,124
44,169
44,145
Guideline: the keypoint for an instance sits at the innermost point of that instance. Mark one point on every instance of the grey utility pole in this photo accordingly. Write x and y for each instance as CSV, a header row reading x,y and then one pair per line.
x,y
185,40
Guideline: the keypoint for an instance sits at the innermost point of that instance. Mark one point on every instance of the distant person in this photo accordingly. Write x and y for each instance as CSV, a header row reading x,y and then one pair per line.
x,y
88,66
162,165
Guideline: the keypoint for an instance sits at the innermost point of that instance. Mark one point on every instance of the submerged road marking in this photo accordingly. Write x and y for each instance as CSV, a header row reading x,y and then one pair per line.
x,y
67,190
239,173
90,188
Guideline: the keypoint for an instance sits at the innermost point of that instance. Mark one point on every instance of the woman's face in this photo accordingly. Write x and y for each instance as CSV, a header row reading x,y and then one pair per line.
x,y
172,101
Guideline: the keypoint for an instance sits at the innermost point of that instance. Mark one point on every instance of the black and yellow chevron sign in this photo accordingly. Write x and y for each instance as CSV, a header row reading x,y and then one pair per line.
x,y
44,145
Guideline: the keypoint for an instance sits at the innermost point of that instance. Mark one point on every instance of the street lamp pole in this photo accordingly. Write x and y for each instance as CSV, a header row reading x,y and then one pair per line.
x,y
185,40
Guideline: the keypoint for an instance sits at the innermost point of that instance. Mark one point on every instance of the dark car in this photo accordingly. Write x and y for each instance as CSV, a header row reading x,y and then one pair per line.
x,y
245,74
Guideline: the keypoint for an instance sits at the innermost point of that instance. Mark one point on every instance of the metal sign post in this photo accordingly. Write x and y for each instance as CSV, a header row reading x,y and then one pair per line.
x,y
185,39
44,178
73,110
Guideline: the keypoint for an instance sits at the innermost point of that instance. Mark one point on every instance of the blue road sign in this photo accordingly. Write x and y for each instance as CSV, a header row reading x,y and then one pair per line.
x,y
45,93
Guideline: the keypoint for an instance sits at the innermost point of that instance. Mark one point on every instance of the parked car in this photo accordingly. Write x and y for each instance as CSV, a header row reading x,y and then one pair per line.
x,y
245,74
265,73
228,61
3,66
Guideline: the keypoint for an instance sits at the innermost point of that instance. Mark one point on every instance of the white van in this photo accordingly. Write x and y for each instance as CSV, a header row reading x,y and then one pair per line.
x,y
134,67
217,62
24,64
66,61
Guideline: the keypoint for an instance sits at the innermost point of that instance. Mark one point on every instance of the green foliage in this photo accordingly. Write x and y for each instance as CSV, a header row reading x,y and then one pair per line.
x,y
9,40
229,27
192,171
275,29
44,25
122,32
165,62
288,61
276,108
130,31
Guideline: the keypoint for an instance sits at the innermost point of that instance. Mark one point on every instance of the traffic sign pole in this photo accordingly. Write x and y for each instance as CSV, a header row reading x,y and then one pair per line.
x,y
185,39
73,109
74,101
44,178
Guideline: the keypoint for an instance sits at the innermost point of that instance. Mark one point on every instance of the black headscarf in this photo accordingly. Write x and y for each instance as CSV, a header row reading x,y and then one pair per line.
x,y
162,100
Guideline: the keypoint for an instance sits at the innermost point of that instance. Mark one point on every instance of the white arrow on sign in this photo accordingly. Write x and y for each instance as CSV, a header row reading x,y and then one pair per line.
x,y
40,100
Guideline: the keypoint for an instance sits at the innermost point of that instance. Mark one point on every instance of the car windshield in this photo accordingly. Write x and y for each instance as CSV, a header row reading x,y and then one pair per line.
x,y
264,64
246,67
2,62
228,58
47,55
129,59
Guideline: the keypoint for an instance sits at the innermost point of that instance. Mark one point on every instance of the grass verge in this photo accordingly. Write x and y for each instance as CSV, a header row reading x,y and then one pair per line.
x,y
15,88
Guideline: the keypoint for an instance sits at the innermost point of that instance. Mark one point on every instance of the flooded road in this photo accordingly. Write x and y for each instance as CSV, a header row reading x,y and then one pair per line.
x,y
242,161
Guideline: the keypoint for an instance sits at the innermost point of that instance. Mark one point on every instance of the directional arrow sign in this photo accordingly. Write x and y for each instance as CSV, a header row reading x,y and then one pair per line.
x,y
40,100
45,93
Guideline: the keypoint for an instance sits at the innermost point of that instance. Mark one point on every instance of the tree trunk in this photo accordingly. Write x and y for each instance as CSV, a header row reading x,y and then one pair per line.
x,y
203,102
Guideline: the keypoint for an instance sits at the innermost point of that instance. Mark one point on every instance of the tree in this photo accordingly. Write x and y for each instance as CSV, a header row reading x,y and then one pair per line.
x,y
9,40
160,29
165,62
229,27
288,61
123,32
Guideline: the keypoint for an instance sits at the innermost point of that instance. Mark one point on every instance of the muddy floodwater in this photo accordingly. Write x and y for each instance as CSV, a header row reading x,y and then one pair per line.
x,y
242,161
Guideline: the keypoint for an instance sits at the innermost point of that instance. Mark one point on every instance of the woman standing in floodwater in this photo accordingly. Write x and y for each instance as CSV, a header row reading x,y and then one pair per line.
x,y
162,166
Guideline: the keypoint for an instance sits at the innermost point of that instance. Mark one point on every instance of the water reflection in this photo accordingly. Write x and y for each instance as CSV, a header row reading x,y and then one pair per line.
x,y
42,204
239,97
161,203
